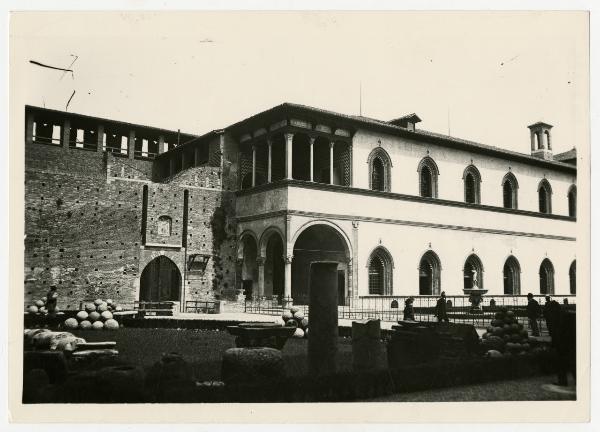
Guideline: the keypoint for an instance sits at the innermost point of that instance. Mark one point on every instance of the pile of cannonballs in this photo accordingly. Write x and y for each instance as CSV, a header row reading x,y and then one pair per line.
x,y
505,335
295,318
39,307
97,316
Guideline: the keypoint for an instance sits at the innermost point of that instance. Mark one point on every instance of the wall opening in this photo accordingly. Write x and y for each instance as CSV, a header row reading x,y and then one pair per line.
x,y
160,281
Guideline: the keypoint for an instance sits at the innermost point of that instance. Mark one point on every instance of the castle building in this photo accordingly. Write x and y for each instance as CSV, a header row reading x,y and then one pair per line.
x,y
137,213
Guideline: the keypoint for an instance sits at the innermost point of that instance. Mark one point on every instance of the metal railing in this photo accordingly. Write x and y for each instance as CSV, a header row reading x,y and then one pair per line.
x,y
195,306
46,140
391,308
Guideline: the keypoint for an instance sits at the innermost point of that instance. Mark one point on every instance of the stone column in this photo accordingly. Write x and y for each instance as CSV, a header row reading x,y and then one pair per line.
x,y
131,144
354,287
331,162
66,132
323,312
253,165
289,137
549,141
100,145
541,139
269,172
29,121
287,288
161,144
312,159
533,141
260,262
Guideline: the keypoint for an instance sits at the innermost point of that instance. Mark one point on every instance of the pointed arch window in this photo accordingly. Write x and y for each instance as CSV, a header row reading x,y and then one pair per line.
x,y
510,187
380,166
546,277
380,272
512,276
428,178
472,180
430,274
545,197
572,196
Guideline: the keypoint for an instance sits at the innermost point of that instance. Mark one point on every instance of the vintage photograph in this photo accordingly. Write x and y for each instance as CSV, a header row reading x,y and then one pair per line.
x,y
267,207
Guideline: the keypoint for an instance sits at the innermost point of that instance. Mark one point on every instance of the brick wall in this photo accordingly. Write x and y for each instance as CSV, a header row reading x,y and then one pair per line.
x,y
84,226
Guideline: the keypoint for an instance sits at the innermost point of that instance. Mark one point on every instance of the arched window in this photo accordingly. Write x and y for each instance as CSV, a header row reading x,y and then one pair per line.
x,y
472,180
428,178
473,272
429,274
380,272
510,187
164,226
380,166
546,277
573,278
512,276
545,197
572,201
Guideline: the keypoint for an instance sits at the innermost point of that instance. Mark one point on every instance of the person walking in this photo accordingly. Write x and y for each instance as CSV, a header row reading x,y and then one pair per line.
x,y
51,300
534,310
551,315
440,308
409,311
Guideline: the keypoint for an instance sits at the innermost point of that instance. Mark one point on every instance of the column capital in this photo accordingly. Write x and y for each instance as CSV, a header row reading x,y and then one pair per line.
x,y
312,139
260,261
355,224
289,135
331,144
288,258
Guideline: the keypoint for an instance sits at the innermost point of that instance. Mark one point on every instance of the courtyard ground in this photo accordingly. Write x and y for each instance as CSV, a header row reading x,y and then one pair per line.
x,y
203,349
532,389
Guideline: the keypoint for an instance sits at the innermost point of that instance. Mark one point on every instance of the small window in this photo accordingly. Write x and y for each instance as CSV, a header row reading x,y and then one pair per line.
x,y
164,226
380,166
545,197
472,180
509,191
428,175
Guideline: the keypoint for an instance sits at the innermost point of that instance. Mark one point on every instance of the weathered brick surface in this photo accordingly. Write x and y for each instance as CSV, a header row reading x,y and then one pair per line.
x,y
84,220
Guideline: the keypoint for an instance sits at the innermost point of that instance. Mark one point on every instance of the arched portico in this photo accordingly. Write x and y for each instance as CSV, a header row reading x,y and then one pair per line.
x,y
319,241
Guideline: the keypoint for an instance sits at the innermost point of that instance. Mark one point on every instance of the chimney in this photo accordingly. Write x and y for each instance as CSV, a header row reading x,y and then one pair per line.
x,y
541,140
408,122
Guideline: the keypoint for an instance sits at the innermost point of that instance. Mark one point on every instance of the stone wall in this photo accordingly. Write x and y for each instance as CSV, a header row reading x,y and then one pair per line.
x,y
86,225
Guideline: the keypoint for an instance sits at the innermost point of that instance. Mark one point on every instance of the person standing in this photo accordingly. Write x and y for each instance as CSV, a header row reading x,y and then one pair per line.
x,y
409,311
51,300
440,308
551,315
534,310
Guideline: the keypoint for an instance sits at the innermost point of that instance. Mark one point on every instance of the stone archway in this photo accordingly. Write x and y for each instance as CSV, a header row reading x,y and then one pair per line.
x,y
160,281
319,242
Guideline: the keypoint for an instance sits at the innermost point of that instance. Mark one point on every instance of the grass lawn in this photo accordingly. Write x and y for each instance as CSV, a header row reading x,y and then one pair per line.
x,y
202,348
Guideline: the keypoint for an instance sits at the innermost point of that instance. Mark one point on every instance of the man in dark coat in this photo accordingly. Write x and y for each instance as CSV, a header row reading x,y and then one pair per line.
x,y
440,308
534,311
564,341
551,315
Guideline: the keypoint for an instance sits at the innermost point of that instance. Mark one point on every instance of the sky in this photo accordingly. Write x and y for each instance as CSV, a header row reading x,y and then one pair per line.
x,y
479,76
